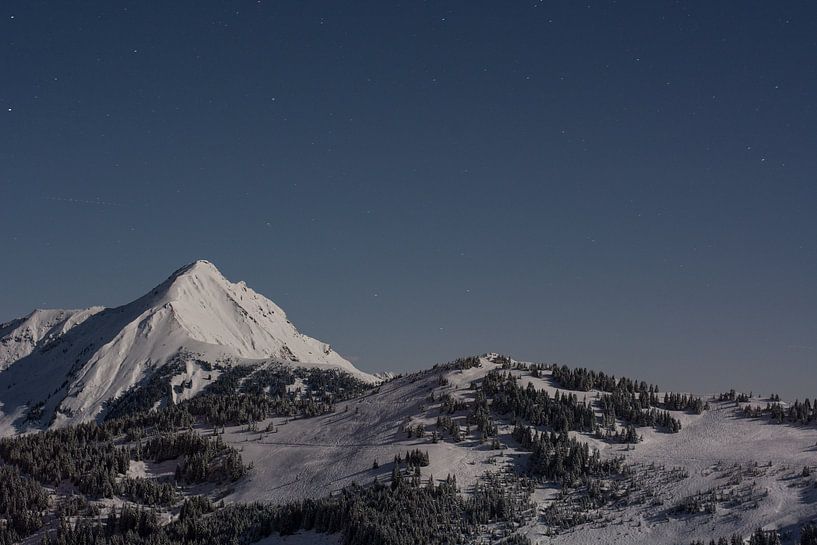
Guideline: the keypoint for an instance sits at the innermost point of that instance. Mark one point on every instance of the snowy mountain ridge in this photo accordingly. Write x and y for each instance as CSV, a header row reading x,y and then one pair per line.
x,y
61,366
20,337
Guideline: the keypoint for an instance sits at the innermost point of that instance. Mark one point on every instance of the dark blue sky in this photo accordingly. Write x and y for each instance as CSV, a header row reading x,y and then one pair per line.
x,y
629,186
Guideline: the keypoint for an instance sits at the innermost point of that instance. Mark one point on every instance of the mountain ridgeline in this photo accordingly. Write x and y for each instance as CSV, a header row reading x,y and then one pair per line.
x,y
65,367
198,414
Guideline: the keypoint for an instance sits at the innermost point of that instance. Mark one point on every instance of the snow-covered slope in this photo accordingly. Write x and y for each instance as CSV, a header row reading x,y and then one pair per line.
x,y
95,355
753,466
19,338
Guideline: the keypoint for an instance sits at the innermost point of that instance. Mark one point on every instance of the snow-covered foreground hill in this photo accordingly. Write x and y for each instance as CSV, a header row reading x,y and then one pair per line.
x,y
59,367
753,468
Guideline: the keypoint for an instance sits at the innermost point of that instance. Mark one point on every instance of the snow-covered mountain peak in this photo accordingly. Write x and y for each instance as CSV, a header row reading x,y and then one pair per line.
x,y
197,273
201,285
77,360
198,267
232,318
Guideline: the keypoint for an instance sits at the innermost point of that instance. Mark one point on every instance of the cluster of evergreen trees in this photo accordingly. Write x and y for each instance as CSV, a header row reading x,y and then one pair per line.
x,y
88,456
732,395
407,468
558,457
459,364
418,431
480,416
447,424
245,394
147,492
271,381
704,502
562,412
759,537
585,380
634,402
242,394
799,412
808,536
503,360
648,395
627,406
563,515
122,526
628,435
500,497
241,408
433,514
331,385
22,503
683,402
202,459
74,505
734,540
142,397
95,458
555,456
450,405
84,455
325,385
414,458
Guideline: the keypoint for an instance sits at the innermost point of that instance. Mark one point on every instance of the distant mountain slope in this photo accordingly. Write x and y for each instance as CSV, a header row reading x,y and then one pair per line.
x,y
62,366
20,337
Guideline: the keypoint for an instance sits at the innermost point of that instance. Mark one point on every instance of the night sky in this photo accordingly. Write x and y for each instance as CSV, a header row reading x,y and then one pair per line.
x,y
627,186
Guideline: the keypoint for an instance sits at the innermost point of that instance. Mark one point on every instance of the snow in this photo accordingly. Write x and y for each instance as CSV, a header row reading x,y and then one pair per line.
x,y
318,456
77,359
19,338
95,355
713,449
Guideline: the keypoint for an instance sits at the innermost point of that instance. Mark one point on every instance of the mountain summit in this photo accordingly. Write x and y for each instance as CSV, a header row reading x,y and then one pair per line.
x,y
61,366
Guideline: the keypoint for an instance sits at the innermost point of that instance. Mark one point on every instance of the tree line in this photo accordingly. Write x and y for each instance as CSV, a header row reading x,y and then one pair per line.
x,y
808,536
558,457
562,412
407,514
800,412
